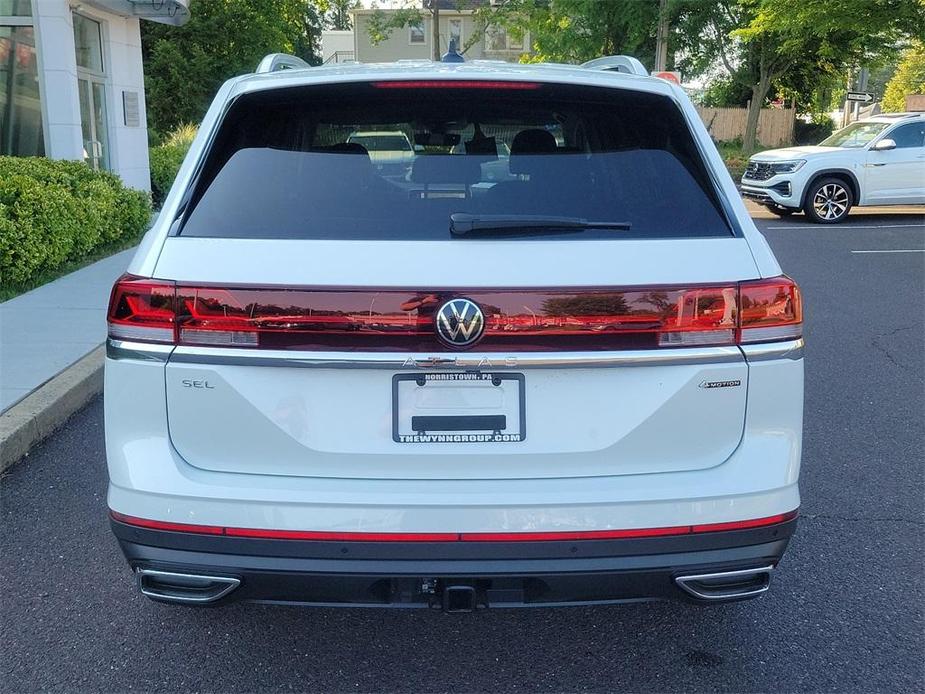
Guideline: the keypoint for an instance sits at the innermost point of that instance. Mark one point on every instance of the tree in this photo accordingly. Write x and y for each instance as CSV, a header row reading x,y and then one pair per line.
x,y
381,24
184,66
573,31
760,42
338,14
909,79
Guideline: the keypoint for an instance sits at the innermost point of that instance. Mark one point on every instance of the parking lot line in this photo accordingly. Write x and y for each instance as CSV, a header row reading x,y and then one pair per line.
x,y
847,226
895,250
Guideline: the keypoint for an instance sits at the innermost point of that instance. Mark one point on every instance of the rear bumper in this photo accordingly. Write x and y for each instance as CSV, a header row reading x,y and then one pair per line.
x,y
457,576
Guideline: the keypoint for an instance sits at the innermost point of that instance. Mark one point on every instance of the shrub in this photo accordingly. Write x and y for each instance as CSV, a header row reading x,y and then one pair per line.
x,y
166,158
814,132
54,212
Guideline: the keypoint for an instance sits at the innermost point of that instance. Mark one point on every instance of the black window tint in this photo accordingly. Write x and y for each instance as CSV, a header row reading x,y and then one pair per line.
x,y
910,135
310,163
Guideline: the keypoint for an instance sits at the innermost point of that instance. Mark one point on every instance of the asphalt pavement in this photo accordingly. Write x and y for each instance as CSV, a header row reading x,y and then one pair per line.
x,y
845,612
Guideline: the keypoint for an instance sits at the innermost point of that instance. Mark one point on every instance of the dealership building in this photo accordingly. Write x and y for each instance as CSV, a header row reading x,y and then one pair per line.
x,y
72,83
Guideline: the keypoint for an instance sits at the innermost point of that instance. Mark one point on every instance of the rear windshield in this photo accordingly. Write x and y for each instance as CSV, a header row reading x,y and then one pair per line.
x,y
394,160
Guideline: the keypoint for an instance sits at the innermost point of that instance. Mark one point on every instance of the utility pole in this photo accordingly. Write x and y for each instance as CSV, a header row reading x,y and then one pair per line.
x,y
661,37
435,35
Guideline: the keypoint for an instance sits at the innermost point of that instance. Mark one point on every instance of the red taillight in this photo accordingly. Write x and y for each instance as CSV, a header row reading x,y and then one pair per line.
x,y
403,321
142,309
455,84
770,310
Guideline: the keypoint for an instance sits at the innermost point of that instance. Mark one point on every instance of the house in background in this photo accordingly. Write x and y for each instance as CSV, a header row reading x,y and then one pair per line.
x,y
337,46
72,84
415,42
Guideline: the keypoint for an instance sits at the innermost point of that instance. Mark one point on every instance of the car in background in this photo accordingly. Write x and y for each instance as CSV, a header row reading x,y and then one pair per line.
x,y
876,161
390,151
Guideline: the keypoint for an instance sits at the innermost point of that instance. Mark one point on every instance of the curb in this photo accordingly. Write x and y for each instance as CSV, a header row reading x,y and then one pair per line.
x,y
41,412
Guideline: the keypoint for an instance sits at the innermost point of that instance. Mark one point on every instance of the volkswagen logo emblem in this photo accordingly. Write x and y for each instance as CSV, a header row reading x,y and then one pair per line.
x,y
459,322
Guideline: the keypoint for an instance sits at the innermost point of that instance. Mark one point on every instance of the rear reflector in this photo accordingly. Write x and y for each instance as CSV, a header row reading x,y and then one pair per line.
x,y
455,84
555,536
403,320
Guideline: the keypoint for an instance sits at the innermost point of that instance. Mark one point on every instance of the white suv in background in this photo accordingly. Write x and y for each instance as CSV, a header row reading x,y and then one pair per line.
x,y
876,161
580,384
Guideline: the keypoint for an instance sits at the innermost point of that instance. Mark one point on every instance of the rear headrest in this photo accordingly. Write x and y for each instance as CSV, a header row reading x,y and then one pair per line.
x,y
527,143
348,148
460,169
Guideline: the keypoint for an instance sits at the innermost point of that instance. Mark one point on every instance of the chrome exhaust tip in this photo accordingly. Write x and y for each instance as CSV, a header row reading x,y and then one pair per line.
x,y
184,588
727,585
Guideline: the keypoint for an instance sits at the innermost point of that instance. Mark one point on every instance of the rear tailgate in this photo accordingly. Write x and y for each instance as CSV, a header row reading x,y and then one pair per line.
x,y
307,409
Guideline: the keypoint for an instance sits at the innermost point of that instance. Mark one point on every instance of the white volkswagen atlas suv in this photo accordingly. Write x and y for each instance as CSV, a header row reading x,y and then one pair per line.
x,y
876,161
580,384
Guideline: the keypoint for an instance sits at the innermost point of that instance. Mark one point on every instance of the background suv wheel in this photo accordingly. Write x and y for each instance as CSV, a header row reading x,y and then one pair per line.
x,y
828,201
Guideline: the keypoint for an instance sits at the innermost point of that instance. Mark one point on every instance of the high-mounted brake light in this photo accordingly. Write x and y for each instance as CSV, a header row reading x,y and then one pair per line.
x,y
455,84
765,310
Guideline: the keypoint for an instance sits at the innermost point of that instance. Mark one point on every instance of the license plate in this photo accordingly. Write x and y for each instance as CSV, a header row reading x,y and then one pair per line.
x,y
469,407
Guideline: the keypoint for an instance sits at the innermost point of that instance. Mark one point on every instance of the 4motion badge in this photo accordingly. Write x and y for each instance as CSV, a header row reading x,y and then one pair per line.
x,y
721,384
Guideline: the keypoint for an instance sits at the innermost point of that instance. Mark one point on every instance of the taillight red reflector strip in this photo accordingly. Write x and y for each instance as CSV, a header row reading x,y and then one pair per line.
x,y
566,535
167,525
553,536
744,524
321,536
455,84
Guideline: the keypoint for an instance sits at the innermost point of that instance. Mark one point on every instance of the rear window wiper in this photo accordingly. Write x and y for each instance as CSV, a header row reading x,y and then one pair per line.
x,y
464,224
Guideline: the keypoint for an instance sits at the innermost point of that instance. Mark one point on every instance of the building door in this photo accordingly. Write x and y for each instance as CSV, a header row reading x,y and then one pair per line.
x,y
91,88
93,122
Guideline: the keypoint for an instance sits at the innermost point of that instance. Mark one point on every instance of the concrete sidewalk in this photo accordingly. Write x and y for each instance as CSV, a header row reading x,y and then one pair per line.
x,y
46,330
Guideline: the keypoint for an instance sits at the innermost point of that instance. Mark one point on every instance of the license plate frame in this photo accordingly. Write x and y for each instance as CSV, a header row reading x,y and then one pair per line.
x,y
450,436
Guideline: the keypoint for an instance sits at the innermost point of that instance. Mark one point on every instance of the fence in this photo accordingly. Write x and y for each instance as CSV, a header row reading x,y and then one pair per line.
x,y
775,125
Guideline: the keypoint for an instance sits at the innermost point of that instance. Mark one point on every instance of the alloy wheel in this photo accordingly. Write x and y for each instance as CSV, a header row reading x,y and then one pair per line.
x,y
831,201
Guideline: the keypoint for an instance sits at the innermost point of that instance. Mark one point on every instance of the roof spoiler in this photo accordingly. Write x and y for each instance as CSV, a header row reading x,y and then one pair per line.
x,y
280,61
618,63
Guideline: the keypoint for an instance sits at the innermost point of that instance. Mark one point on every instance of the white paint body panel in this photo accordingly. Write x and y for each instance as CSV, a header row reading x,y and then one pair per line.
x,y
148,478
475,264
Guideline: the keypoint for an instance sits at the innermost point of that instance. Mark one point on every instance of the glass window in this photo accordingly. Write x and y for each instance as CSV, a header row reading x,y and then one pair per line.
x,y
416,33
359,162
855,135
911,135
497,39
514,43
88,43
20,104
15,8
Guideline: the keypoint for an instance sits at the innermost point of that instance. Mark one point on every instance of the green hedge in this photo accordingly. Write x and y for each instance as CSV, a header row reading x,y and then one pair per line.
x,y
57,212
166,158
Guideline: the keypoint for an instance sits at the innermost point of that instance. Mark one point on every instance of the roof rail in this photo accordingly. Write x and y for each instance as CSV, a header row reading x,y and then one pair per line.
x,y
618,63
280,61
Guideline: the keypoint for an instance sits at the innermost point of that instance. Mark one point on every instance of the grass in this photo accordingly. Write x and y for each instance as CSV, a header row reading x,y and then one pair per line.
x,y
734,157
8,291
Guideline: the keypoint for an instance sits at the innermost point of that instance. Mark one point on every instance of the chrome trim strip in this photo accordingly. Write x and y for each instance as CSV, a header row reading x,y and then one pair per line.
x,y
144,351
399,360
790,349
